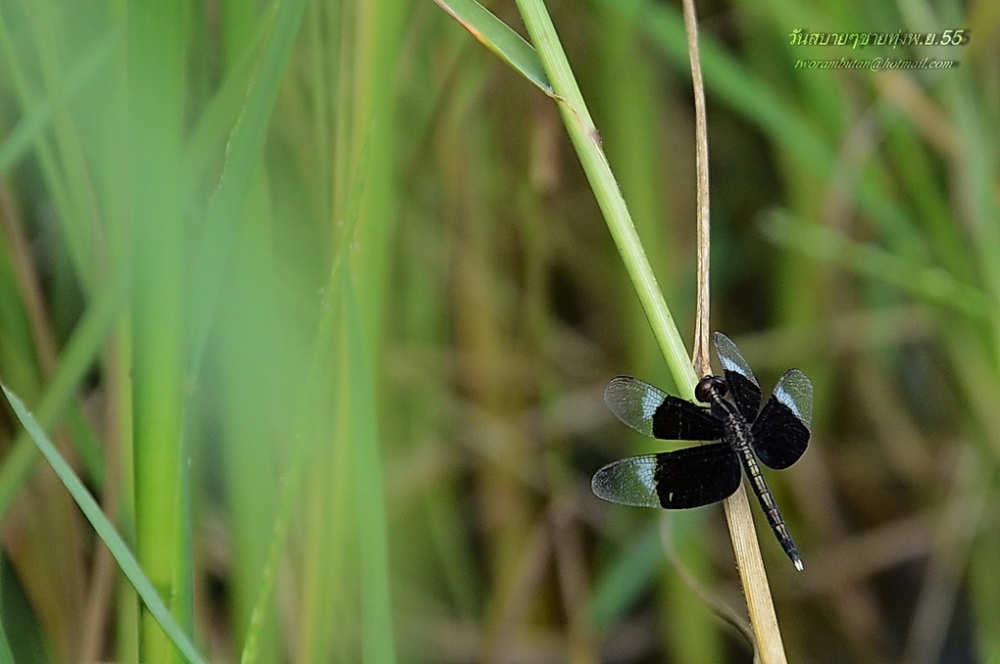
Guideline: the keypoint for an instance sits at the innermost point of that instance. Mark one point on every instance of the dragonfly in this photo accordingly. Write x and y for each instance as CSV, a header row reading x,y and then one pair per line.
x,y
740,431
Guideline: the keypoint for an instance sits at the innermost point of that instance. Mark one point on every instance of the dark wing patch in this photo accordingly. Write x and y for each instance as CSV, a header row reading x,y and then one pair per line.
x,y
781,432
742,383
681,479
653,412
677,419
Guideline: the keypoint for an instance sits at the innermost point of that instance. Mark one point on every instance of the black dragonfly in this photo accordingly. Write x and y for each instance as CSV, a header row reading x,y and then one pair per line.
x,y
777,434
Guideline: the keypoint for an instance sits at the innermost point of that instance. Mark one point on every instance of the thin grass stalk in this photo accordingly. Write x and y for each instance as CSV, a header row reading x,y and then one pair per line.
x,y
377,30
330,542
746,548
377,641
118,365
329,588
156,98
701,360
252,358
253,372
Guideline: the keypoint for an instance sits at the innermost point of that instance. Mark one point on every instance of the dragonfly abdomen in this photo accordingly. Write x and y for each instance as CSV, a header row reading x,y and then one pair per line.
x,y
740,438
769,505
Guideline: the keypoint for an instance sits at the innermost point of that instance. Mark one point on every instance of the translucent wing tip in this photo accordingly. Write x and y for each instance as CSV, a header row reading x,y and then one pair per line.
x,y
731,357
627,481
599,483
614,388
795,390
619,398
634,402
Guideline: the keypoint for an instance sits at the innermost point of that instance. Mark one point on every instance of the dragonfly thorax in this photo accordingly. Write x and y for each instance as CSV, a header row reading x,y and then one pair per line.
x,y
737,431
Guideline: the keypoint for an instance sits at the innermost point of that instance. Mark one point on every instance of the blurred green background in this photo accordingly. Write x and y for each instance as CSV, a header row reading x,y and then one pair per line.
x,y
317,301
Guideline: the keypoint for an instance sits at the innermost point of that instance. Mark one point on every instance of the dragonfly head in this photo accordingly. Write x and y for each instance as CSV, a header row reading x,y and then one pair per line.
x,y
703,390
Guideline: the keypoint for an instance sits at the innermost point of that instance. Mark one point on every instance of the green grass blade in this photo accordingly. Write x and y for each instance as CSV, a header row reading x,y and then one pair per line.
x,y
156,84
369,486
75,360
928,283
243,154
497,36
215,123
38,118
116,545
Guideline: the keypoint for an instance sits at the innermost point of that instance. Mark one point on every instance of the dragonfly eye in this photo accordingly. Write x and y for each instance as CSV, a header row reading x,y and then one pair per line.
x,y
706,385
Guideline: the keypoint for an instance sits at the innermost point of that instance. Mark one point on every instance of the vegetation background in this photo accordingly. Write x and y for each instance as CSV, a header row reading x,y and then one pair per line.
x,y
317,302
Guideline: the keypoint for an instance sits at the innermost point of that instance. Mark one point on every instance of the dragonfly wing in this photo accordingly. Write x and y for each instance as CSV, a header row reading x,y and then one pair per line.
x,y
690,477
781,432
742,383
653,412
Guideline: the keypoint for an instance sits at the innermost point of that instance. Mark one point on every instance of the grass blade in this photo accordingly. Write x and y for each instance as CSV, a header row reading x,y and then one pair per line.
x,y
243,154
116,545
76,358
369,487
497,36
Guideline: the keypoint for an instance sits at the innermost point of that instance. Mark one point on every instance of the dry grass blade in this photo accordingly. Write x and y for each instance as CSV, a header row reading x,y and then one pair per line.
x,y
749,563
